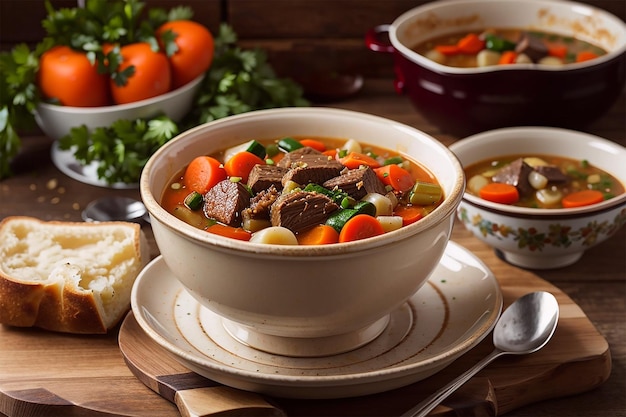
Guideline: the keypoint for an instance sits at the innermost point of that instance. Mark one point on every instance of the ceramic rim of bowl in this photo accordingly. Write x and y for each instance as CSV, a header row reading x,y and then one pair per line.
x,y
122,107
428,10
444,211
509,133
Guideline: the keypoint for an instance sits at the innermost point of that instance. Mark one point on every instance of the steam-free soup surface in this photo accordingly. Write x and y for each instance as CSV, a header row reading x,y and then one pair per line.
x,y
504,46
302,190
541,181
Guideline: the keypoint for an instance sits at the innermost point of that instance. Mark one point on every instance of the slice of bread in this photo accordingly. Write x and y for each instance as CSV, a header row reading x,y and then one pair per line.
x,y
68,277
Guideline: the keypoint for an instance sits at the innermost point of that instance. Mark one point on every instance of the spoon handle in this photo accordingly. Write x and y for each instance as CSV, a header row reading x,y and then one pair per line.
x,y
429,403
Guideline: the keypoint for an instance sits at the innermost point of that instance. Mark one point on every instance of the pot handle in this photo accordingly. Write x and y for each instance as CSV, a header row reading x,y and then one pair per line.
x,y
375,40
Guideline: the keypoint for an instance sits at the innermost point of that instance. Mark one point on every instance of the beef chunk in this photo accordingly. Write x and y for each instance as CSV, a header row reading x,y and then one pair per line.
x,y
261,203
552,173
263,176
295,156
531,46
300,210
515,173
225,201
315,168
357,183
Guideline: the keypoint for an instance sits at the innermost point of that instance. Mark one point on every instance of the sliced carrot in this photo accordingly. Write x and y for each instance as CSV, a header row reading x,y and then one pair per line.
x,y
447,49
202,173
331,152
315,144
354,160
241,163
360,227
409,214
319,235
499,193
229,231
507,57
582,198
585,56
557,50
470,44
397,177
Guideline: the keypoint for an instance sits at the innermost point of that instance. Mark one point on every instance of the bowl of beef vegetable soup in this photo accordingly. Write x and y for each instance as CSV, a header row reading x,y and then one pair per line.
x,y
476,65
542,196
302,227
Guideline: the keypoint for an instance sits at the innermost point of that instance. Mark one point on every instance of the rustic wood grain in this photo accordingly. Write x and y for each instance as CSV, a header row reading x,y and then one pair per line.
x,y
596,285
45,373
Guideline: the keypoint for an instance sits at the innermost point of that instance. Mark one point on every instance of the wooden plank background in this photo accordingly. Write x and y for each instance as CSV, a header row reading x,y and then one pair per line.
x,y
300,36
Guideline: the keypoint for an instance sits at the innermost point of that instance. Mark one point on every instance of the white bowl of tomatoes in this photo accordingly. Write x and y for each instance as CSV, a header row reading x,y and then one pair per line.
x,y
542,196
56,121
129,80
278,290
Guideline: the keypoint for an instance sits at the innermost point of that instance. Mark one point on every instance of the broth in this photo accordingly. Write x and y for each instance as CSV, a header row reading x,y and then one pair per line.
x,y
500,46
542,181
299,184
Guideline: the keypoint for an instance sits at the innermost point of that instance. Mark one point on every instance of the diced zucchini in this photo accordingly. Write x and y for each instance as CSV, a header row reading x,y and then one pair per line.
x,y
289,144
339,218
256,148
194,200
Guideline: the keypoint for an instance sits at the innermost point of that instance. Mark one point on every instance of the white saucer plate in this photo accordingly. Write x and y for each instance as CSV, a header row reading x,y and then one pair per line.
x,y
65,162
449,315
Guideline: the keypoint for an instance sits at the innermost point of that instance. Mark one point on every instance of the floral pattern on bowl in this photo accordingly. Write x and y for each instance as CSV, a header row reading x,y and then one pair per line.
x,y
558,235
540,243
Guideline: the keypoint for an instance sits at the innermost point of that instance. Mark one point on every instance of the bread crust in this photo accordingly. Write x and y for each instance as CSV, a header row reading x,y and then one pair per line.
x,y
59,304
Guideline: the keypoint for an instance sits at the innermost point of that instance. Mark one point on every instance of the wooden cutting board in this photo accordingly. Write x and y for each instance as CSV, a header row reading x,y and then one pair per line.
x,y
49,374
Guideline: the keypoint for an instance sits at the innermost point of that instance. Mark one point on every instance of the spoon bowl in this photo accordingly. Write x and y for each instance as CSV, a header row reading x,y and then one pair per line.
x,y
108,209
524,327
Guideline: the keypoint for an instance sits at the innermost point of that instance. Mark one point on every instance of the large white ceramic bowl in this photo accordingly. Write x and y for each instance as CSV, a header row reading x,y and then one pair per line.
x,y
294,299
542,238
57,121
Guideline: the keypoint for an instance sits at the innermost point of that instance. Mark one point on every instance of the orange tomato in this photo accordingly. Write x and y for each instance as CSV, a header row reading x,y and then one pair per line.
x,y
152,75
68,76
195,50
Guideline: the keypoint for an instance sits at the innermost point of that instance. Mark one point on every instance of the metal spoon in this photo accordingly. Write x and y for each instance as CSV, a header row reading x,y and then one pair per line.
x,y
525,327
107,209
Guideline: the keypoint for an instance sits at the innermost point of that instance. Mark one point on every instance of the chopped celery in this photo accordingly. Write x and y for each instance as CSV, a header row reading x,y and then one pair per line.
x,y
425,193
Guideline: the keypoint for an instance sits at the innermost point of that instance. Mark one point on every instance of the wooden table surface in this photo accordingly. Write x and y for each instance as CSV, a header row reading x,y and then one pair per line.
x,y
596,283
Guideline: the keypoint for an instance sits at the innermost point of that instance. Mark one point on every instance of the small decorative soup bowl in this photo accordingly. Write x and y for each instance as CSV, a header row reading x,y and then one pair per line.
x,y
542,238
302,300
468,100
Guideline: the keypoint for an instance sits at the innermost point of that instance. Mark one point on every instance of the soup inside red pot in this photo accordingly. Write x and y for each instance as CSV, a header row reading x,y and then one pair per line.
x,y
463,101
